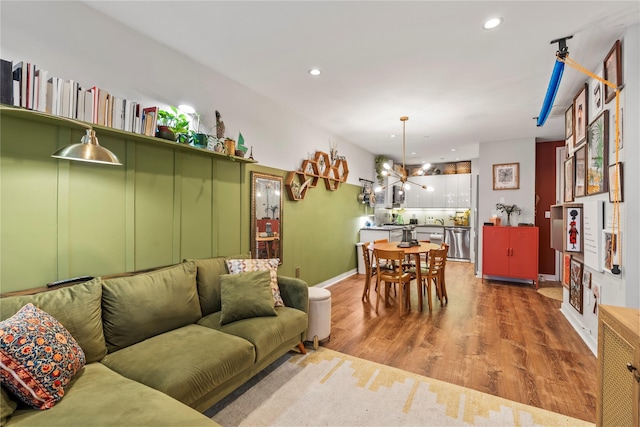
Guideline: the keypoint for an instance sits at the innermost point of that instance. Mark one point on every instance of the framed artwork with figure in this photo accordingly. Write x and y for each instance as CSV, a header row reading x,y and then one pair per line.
x,y
573,218
568,122
613,70
580,116
579,159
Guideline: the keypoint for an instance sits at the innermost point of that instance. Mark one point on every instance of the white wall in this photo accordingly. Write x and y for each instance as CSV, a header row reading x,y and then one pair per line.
x,y
521,151
73,41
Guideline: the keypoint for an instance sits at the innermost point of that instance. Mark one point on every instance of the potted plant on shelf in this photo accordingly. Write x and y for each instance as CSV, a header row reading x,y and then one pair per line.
x,y
173,125
509,210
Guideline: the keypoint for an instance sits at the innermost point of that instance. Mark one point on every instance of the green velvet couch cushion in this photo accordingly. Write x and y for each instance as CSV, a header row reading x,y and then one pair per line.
x,y
245,295
185,363
99,396
137,307
208,280
265,333
77,308
8,405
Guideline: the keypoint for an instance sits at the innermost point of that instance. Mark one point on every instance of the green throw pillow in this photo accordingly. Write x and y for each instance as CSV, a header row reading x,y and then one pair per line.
x,y
245,295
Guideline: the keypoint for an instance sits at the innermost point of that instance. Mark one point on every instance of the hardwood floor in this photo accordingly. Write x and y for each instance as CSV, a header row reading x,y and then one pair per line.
x,y
500,338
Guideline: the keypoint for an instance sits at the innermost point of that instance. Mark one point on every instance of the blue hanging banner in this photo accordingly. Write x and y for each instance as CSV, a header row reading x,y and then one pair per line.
x,y
552,90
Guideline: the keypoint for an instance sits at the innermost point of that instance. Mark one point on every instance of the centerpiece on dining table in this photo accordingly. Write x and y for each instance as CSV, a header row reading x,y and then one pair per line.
x,y
408,238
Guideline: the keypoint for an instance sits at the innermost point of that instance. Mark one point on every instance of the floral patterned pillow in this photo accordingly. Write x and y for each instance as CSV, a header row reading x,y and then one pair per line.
x,y
38,357
236,266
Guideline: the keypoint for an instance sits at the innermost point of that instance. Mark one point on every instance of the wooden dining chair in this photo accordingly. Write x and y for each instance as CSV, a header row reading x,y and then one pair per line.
x,y
370,271
435,275
392,276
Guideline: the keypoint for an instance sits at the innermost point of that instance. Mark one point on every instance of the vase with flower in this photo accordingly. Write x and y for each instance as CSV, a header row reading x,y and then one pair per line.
x,y
509,210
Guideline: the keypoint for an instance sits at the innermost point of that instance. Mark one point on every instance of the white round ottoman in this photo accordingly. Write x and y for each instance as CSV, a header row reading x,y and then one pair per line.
x,y
319,315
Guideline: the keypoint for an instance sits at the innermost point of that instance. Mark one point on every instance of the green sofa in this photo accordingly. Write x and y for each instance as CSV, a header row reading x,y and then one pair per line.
x,y
155,348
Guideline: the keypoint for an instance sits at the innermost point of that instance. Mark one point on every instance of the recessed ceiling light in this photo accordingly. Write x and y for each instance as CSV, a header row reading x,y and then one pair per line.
x,y
453,149
492,23
315,72
413,153
392,135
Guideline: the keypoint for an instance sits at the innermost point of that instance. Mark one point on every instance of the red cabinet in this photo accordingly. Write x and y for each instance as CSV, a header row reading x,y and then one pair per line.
x,y
510,252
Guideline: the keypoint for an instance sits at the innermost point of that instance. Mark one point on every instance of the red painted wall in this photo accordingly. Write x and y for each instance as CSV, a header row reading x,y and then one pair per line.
x,y
546,190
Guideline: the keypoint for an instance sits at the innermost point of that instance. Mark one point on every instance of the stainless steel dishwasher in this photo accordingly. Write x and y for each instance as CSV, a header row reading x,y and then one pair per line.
x,y
459,242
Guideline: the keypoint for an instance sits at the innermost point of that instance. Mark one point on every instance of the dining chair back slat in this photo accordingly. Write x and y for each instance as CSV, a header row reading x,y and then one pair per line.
x,y
394,275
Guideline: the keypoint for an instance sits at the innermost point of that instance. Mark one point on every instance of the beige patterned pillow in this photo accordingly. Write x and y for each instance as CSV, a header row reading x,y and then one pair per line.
x,y
243,265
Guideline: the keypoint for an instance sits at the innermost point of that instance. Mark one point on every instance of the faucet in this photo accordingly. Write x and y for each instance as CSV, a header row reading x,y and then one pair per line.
x,y
441,221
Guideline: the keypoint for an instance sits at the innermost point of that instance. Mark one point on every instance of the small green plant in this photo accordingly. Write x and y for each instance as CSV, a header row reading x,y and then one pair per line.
x,y
176,121
379,162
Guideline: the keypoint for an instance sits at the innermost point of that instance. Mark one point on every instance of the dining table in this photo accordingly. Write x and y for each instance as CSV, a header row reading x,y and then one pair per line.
x,y
416,251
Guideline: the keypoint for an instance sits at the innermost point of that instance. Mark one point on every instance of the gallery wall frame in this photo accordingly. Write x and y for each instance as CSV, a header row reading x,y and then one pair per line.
x,y
615,174
569,173
580,115
598,154
568,122
566,271
573,238
596,96
575,286
611,242
506,176
613,70
580,165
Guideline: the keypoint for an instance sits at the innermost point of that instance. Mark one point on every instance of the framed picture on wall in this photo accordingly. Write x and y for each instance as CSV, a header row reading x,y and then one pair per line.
x,y
596,95
610,250
568,180
568,122
613,70
580,159
566,270
573,218
615,180
586,278
597,297
598,154
506,176
580,116
575,286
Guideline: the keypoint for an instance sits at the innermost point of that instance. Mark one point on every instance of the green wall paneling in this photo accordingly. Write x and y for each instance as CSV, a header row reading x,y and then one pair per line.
x,y
61,219
28,216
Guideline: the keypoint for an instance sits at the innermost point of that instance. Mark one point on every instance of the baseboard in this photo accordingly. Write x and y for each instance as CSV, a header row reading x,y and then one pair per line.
x,y
588,339
336,279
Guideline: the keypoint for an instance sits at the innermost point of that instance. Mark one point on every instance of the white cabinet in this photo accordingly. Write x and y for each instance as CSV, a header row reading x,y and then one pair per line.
x,y
371,234
449,191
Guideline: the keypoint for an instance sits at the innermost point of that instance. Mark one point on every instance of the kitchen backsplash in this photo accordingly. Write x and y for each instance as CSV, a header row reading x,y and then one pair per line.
x,y
423,216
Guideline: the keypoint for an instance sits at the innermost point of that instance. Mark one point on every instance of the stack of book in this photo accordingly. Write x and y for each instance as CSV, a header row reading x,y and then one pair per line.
x,y
24,85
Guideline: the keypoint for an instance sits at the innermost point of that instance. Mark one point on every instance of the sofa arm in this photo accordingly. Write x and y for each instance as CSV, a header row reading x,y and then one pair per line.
x,y
294,292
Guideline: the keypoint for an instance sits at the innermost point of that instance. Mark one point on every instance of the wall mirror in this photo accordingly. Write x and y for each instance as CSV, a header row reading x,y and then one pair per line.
x,y
266,216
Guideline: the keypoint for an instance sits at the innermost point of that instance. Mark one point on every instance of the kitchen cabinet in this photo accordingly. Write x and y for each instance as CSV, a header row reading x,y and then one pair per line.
x,y
449,191
510,252
618,363
391,233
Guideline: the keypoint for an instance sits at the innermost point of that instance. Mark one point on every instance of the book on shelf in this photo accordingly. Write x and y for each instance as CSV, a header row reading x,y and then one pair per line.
x,y
6,82
149,120
20,76
31,79
42,78
103,104
79,96
88,106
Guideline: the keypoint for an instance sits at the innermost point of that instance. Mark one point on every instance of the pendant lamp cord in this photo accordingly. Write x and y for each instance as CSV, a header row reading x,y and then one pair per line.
x,y
616,188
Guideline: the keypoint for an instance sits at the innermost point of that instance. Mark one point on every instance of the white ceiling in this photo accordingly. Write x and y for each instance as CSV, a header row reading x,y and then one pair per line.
x,y
460,85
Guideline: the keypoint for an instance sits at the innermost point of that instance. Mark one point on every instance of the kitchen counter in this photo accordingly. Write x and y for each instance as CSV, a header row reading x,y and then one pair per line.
x,y
384,227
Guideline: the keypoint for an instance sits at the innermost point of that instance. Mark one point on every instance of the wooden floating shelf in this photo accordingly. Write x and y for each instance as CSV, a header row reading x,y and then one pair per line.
x,y
298,182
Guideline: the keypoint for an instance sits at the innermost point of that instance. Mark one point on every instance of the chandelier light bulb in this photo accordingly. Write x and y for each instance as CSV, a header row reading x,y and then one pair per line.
x,y
386,166
377,189
407,187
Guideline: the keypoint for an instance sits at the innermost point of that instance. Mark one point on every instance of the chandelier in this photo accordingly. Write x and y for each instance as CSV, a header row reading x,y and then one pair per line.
x,y
402,176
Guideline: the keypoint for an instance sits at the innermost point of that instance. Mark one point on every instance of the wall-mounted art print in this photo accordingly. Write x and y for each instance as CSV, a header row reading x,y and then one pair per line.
x,y
597,297
580,159
597,154
506,176
610,250
613,70
568,122
566,271
596,96
575,286
580,116
586,278
574,229
616,188
568,180
612,128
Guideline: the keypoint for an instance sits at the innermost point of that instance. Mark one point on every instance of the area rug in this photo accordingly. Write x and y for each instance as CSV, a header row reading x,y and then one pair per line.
x,y
552,292
327,388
